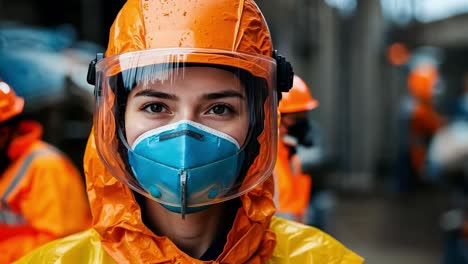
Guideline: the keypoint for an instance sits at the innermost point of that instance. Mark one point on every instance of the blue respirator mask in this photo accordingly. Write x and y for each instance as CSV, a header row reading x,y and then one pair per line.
x,y
185,163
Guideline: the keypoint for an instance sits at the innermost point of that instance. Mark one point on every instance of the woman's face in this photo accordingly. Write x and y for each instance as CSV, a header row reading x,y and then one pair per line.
x,y
213,97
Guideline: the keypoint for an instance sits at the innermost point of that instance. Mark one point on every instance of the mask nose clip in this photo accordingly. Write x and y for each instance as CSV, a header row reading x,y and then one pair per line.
x,y
185,132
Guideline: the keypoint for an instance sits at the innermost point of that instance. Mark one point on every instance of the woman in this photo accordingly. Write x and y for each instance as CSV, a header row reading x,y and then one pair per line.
x,y
179,162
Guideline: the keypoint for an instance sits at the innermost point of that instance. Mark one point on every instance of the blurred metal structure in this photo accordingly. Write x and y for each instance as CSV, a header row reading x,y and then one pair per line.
x,y
342,64
346,68
446,33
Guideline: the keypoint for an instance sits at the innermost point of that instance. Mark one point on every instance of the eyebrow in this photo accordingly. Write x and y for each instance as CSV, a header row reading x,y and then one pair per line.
x,y
209,96
223,94
153,93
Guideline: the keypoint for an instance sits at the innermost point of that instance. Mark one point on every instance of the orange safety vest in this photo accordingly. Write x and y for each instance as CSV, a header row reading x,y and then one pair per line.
x,y
42,195
293,186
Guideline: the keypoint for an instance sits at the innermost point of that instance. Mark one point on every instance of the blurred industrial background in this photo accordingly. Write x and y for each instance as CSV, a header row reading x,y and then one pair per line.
x,y
357,57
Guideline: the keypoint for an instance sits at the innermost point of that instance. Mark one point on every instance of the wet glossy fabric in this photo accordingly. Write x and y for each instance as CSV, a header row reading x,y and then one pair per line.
x,y
42,196
296,244
79,248
189,25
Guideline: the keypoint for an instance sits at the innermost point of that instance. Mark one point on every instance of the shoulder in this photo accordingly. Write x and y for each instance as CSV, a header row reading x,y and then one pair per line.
x,y
42,149
84,246
298,243
46,156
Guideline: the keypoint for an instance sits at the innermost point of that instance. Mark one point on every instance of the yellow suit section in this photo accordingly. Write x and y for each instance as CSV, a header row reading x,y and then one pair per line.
x,y
297,243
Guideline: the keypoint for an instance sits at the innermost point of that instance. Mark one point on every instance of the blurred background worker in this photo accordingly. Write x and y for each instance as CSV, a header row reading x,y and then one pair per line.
x,y
419,123
42,193
425,121
293,186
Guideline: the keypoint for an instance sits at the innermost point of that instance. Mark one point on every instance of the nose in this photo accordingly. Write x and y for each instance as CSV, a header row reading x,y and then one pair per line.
x,y
187,111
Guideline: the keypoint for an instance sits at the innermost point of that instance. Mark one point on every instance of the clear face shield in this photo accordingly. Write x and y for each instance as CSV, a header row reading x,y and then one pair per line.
x,y
187,127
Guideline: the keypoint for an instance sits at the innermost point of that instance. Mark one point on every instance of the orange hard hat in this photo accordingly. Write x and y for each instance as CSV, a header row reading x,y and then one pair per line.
x,y
10,103
191,26
298,99
421,81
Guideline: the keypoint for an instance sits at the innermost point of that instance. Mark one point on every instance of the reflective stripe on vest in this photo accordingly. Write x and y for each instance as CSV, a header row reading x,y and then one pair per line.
x,y
6,214
11,218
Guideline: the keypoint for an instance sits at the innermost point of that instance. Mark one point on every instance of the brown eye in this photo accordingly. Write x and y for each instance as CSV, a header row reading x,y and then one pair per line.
x,y
220,110
155,108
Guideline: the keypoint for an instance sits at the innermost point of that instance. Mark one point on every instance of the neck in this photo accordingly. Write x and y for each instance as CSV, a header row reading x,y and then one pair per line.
x,y
194,234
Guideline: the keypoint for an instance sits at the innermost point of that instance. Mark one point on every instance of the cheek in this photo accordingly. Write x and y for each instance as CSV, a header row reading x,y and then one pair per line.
x,y
240,131
133,127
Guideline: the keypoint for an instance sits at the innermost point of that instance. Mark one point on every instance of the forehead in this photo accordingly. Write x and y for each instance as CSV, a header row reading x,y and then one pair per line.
x,y
194,78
